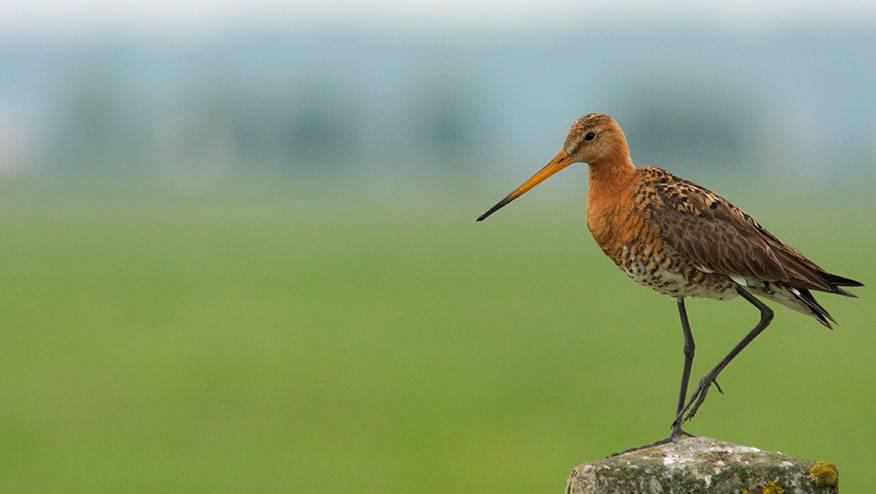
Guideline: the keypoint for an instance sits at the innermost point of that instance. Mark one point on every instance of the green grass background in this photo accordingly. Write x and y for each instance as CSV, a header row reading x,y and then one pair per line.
x,y
294,341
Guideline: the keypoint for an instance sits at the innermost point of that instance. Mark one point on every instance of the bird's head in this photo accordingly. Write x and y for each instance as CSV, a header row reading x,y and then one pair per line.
x,y
595,139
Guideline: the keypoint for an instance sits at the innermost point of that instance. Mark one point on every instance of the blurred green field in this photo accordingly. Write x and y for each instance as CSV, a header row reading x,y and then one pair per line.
x,y
291,343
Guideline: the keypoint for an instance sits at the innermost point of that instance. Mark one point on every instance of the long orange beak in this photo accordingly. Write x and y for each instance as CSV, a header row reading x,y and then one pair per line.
x,y
560,161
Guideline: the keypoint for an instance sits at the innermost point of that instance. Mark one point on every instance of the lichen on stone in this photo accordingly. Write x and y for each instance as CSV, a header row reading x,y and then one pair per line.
x,y
702,465
772,488
824,473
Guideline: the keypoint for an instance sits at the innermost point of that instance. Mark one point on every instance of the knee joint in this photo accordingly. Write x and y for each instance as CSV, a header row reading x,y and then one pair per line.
x,y
766,315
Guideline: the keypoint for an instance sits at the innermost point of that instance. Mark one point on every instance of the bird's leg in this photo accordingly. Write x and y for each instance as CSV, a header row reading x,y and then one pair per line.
x,y
699,394
689,348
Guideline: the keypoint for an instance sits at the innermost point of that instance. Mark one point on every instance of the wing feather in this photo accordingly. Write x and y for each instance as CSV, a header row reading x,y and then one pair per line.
x,y
718,236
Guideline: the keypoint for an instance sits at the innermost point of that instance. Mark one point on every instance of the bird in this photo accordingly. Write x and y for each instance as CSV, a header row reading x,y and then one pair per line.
x,y
683,240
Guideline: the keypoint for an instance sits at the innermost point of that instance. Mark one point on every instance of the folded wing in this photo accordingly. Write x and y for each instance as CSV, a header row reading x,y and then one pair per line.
x,y
721,238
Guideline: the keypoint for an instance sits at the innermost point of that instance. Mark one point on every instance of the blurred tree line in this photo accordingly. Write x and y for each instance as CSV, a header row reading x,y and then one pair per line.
x,y
325,104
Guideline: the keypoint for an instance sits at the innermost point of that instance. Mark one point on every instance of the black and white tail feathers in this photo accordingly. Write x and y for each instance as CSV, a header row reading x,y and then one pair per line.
x,y
800,297
819,312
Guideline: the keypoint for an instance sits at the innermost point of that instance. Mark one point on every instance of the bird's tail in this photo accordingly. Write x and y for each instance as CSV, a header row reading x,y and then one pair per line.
x,y
799,299
819,312
802,300
836,282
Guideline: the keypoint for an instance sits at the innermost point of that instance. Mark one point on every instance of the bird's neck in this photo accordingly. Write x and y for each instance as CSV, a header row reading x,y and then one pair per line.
x,y
608,189
609,177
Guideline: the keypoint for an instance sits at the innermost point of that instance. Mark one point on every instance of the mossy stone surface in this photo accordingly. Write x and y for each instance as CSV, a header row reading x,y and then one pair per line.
x,y
700,464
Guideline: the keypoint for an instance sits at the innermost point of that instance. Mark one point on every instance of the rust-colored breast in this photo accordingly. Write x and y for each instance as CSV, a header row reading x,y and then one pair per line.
x,y
617,220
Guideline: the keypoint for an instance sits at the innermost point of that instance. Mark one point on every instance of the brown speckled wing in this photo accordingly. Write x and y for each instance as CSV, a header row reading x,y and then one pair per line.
x,y
716,235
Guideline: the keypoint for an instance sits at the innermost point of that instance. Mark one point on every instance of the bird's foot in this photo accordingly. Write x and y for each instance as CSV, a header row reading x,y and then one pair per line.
x,y
677,434
696,399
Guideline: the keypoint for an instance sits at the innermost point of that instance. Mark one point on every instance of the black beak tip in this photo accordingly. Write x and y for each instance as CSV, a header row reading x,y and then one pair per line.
x,y
495,208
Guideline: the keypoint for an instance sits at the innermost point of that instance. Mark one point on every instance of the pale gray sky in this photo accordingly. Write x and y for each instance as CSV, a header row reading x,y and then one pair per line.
x,y
54,19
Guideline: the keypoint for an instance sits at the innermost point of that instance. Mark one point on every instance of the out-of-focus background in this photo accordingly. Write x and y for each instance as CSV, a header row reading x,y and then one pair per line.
x,y
239,250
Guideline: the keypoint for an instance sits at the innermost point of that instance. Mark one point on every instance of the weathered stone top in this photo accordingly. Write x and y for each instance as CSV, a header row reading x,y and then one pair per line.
x,y
701,464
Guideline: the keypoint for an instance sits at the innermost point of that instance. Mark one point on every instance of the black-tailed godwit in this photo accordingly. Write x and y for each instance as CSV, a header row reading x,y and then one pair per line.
x,y
683,240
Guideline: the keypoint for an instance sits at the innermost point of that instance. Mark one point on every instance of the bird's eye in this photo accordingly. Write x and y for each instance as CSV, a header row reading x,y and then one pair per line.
x,y
590,136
